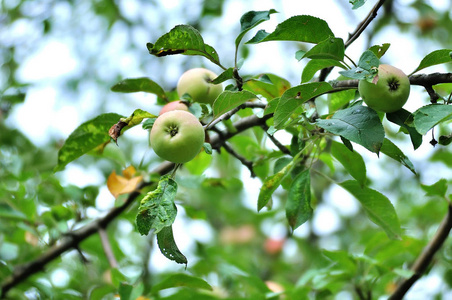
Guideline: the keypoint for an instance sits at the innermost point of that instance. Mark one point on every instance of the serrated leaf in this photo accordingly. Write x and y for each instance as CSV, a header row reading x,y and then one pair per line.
x,y
183,39
298,204
251,19
358,124
401,118
391,150
297,28
142,84
86,137
435,58
351,160
426,117
181,280
269,86
316,65
331,48
168,247
377,207
228,100
157,209
338,100
439,188
295,97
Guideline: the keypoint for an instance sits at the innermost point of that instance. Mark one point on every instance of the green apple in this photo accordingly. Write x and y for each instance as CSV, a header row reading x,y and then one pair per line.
x,y
177,136
197,83
173,105
389,93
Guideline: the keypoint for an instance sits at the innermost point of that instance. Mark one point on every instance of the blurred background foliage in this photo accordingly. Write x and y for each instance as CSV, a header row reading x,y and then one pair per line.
x,y
60,54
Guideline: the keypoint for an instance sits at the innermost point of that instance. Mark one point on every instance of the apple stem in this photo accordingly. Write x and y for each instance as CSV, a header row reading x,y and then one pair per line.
x,y
173,172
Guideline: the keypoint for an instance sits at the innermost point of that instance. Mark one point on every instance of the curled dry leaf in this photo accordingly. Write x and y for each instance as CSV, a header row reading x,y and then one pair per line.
x,y
118,185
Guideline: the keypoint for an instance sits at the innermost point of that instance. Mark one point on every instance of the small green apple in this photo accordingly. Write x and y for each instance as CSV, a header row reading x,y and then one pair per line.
x,y
173,105
197,83
177,136
390,92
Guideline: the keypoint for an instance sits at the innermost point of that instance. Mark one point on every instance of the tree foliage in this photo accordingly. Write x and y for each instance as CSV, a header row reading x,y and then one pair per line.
x,y
312,146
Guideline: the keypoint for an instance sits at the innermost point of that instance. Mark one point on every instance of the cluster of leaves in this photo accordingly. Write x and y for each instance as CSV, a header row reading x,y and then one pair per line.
x,y
294,167
351,122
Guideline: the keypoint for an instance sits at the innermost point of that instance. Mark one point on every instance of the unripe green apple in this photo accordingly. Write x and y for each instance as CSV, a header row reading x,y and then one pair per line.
x,y
173,105
177,136
390,92
197,83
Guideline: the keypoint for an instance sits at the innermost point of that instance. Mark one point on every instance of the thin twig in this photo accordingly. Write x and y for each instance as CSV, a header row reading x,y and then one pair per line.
x,y
107,248
275,141
243,160
353,36
423,261
233,111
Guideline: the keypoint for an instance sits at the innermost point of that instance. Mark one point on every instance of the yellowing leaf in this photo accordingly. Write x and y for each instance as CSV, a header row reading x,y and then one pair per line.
x,y
118,185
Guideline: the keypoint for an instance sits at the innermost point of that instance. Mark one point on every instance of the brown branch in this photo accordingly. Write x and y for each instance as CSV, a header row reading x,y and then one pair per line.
x,y
423,261
420,79
72,239
275,141
363,25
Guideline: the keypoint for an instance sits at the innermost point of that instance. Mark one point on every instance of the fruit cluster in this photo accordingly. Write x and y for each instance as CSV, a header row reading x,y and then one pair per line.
x,y
177,135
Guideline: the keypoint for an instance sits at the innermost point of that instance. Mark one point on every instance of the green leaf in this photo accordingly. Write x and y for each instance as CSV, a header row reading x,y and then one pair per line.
x,y
168,247
391,150
270,184
13,98
228,100
181,280
357,3
298,205
402,118
250,20
426,117
269,86
142,84
85,138
226,75
136,117
295,97
367,67
351,160
434,58
378,50
130,292
316,65
157,209
298,28
358,124
377,207
439,188
340,99
331,48
7,212
183,39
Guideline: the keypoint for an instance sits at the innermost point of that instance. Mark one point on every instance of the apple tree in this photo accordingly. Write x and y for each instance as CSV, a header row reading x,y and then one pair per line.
x,y
342,133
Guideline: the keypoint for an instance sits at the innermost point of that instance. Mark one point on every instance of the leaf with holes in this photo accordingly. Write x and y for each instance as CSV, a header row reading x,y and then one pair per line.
x,y
168,247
